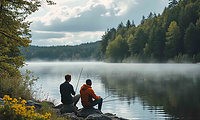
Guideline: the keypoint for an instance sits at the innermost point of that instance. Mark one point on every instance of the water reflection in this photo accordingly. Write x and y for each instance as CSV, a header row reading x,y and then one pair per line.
x,y
142,91
176,93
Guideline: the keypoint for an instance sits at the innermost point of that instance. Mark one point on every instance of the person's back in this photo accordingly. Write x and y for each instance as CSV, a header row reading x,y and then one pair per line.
x,y
87,96
66,91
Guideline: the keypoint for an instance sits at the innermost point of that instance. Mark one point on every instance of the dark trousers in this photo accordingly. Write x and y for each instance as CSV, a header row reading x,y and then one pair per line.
x,y
68,108
99,102
75,99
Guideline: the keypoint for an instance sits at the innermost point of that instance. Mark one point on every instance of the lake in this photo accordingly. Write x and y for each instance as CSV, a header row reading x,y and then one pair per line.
x,y
135,91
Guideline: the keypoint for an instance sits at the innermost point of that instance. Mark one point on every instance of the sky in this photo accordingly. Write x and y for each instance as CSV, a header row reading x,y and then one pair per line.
x,y
73,22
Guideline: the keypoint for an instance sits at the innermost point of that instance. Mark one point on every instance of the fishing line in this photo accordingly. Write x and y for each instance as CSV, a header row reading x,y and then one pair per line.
x,y
110,100
78,79
106,97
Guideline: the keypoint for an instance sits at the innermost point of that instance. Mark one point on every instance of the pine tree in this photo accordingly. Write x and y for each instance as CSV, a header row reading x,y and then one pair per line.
x,y
173,40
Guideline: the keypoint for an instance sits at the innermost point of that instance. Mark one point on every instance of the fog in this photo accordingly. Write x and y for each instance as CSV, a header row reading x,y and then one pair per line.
x,y
119,69
143,90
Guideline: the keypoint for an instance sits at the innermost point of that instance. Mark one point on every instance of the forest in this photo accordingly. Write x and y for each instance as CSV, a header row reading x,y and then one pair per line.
x,y
86,51
170,36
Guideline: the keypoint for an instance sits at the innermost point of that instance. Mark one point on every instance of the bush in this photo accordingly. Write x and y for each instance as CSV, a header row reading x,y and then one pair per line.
x,y
16,109
17,86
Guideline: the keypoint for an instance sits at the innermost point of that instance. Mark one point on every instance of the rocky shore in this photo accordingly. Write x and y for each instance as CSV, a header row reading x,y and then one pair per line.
x,y
73,113
85,114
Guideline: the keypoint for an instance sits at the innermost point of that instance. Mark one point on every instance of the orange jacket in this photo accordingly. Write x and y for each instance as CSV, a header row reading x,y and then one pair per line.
x,y
87,95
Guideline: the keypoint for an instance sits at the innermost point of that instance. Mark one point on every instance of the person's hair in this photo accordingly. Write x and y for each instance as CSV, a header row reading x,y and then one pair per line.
x,y
88,82
67,77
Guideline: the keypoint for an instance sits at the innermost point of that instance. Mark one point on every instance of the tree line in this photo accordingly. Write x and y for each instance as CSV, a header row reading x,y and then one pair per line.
x,y
86,51
172,35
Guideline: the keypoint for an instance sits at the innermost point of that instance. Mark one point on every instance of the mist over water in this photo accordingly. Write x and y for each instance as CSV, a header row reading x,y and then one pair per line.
x,y
142,91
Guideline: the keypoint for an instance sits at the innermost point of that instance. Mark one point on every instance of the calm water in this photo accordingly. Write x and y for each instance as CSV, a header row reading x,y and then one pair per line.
x,y
136,91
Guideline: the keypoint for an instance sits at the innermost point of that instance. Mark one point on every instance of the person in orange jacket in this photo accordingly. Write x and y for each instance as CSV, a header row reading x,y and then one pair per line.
x,y
88,97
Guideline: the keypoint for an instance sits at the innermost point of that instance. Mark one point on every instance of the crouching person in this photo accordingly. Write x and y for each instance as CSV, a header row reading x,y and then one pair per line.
x,y
69,102
88,97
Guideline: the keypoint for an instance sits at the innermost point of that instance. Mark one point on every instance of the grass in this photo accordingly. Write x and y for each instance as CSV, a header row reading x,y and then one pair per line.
x,y
15,90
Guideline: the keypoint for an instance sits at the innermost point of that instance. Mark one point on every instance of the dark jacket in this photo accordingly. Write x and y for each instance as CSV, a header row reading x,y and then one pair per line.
x,y
66,91
87,95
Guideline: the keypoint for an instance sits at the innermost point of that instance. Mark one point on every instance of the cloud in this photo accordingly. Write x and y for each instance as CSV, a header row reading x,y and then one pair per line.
x,y
66,38
79,17
94,15
85,22
46,35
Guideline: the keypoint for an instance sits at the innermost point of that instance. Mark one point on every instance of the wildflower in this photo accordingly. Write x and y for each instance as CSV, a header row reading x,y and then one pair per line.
x,y
14,101
7,98
23,102
18,108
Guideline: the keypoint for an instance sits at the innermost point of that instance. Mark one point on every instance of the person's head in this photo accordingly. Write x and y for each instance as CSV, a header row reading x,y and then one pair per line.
x,y
68,78
89,82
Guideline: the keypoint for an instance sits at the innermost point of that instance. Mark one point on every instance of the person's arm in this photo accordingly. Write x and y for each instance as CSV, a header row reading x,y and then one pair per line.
x,y
72,90
94,95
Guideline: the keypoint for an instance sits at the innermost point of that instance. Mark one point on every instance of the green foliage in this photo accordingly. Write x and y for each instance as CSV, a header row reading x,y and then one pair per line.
x,y
109,36
137,42
18,86
88,51
116,49
15,33
192,40
159,37
172,3
173,39
16,109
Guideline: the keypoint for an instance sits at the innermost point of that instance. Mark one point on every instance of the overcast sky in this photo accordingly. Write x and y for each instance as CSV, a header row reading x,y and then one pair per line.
x,y
72,22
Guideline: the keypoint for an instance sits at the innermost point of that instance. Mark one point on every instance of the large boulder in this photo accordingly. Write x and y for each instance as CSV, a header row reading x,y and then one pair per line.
x,y
98,117
68,109
85,112
71,116
95,114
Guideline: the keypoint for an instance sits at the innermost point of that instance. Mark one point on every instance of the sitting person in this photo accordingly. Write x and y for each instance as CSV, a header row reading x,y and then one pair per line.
x,y
66,91
88,97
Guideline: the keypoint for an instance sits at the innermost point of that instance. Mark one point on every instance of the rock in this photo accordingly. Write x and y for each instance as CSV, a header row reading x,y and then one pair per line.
x,y
33,103
85,112
58,106
71,116
114,117
68,109
98,117
1,101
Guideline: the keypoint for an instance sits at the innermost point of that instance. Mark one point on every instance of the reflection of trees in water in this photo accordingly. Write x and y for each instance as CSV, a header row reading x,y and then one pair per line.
x,y
178,94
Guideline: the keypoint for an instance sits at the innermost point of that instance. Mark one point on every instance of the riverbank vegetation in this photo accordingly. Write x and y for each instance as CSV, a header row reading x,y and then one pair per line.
x,y
170,36
16,88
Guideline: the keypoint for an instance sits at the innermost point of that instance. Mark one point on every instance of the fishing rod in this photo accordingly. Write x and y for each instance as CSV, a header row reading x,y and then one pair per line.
x,y
110,100
78,79
106,97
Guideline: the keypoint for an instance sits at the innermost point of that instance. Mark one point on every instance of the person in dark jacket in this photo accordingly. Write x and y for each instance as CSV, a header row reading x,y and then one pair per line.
x,y
88,97
66,91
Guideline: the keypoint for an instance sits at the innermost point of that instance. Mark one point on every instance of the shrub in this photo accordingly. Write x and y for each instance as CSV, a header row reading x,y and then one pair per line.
x,y
16,109
17,86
